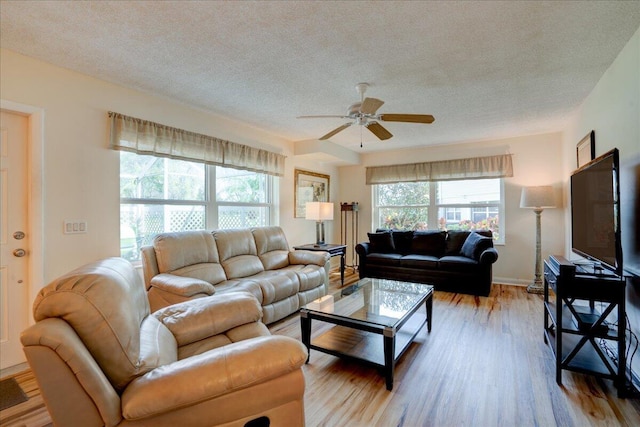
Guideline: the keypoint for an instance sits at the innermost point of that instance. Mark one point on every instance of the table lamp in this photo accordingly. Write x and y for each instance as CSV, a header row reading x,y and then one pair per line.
x,y
319,212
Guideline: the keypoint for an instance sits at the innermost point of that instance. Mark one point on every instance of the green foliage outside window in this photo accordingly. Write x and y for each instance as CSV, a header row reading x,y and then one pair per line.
x,y
468,205
491,223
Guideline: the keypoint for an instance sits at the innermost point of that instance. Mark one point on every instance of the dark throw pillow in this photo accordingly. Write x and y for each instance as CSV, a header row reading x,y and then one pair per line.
x,y
380,242
455,240
428,243
475,245
402,241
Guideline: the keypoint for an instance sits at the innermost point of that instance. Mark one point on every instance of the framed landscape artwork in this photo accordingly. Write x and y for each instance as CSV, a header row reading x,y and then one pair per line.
x,y
309,187
586,149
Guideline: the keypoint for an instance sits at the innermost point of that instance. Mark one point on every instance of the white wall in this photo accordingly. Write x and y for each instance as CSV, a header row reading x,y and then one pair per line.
x,y
612,109
80,172
537,160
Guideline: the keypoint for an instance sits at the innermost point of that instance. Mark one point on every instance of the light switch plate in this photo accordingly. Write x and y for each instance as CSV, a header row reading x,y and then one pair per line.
x,y
75,227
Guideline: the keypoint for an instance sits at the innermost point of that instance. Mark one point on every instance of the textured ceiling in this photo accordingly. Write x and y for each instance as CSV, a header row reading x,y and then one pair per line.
x,y
483,69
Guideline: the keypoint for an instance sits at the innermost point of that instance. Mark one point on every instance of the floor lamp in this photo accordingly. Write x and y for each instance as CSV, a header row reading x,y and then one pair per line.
x,y
319,211
538,199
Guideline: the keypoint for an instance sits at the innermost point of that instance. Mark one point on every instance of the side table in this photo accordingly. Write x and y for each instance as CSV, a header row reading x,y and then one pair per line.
x,y
332,249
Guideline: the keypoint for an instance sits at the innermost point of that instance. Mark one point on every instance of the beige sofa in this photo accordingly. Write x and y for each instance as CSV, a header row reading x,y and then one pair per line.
x,y
102,359
195,264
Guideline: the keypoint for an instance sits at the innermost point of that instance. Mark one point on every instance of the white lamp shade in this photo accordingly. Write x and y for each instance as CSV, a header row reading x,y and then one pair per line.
x,y
539,197
319,211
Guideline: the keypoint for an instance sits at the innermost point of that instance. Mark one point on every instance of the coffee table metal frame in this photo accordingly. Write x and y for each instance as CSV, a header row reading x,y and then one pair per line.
x,y
396,334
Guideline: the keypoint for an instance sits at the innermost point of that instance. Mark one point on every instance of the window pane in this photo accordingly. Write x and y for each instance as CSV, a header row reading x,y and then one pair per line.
x,y
186,180
140,222
148,177
403,218
469,191
233,185
455,205
403,194
242,216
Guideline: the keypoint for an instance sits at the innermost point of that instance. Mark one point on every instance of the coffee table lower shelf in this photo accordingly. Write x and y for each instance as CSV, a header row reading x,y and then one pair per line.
x,y
369,347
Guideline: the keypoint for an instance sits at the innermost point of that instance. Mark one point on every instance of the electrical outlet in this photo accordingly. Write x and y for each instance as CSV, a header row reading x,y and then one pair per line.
x,y
75,227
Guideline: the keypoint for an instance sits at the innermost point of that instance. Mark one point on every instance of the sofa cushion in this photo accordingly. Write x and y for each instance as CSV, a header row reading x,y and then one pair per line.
x,y
277,285
474,245
309,276
430,242
460,264
381,242
272,247
178,250
419,261
238,253
209,272
384,259
402,241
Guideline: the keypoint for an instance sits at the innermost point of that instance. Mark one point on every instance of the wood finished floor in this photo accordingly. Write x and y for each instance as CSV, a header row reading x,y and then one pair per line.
x,y
483,364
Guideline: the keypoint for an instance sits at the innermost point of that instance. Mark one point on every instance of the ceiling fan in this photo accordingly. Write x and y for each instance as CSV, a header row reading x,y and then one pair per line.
x,y
364,114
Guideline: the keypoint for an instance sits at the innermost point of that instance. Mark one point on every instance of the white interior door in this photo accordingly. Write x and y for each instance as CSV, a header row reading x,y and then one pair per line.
x,y
14,241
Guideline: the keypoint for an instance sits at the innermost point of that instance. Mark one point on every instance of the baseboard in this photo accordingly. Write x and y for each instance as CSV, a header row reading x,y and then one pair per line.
x,y
12,370
511,281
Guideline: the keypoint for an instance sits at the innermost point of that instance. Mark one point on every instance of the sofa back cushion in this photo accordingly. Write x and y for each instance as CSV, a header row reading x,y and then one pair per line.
x,y
455,240
106,305
272,247
381,242
430,242
190,254
238,253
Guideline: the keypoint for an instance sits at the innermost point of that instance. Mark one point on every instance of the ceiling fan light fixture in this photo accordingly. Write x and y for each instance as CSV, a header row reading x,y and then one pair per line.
x,y
364,113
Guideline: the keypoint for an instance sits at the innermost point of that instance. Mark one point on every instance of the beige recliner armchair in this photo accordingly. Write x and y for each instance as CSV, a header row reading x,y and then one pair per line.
x,y
101,359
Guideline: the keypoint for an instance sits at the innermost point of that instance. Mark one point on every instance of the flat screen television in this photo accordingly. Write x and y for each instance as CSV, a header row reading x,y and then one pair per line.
x,y
595,212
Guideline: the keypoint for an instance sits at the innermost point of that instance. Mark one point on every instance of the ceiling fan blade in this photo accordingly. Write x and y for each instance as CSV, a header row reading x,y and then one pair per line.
x,y
379,131
336,130
370,105
407,118
321,117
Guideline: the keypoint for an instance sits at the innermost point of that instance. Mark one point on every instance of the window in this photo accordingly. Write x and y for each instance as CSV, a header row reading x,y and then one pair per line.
x,y
160,195
445,205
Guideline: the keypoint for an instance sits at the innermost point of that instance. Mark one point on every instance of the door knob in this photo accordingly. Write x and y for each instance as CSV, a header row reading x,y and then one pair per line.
x,y
18,235
19,253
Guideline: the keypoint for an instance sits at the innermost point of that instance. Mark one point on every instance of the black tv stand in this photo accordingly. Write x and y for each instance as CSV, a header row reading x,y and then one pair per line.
x,y
574,326
592,269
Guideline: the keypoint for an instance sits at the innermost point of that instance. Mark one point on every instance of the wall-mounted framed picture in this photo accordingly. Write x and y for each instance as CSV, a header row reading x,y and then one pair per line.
x,y
309,187
586,149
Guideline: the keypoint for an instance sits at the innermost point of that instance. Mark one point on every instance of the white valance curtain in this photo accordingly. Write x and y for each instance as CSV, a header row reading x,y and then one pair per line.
x,y
145,137
443,170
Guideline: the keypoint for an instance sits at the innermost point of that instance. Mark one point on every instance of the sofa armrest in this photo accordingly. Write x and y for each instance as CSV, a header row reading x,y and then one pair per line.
x,y
303,257
201,318
488,256
223,371
180,285
362,249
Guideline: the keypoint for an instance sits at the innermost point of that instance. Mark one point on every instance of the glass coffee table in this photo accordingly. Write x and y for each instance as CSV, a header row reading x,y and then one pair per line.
x,y
375,321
